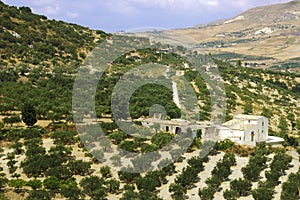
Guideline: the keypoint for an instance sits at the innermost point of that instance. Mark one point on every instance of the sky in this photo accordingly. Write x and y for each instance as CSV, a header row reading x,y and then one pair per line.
x,y
129,15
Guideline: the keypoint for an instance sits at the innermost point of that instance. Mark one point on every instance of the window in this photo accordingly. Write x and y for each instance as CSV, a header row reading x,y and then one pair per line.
x,y
167,128
263,123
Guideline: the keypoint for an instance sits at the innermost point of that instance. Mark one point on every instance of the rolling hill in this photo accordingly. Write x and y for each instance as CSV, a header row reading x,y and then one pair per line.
x,y
266,37
30,40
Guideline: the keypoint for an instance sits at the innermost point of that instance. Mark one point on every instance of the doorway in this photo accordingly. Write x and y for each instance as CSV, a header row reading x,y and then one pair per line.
x,y
252,136
178,130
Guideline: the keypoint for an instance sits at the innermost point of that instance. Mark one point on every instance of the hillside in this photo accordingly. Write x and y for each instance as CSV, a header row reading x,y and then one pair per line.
x,y
29,40
264,37
38,59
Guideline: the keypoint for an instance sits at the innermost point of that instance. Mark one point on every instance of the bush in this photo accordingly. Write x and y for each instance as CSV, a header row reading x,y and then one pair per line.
x,y
34,184
206,193
52,183
93,187
65,137
79,167
263,193
17,184
224,145
242,187
38,195
230,195
105,171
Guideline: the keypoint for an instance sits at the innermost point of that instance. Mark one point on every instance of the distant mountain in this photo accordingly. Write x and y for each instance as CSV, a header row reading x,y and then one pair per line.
x,y
30,39
265,36
288,12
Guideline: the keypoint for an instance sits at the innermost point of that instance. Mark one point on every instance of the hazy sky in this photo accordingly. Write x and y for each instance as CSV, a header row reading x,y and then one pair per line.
x,y
117,15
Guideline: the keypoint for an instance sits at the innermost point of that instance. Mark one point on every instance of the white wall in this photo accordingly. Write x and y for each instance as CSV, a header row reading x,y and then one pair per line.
x,y
260,129
226,133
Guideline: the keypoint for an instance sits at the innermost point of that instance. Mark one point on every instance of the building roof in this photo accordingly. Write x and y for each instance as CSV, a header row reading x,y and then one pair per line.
x,y
248,117
236,124
176,122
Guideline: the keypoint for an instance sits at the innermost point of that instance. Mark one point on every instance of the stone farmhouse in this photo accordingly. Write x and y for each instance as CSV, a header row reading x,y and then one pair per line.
x,y
242,129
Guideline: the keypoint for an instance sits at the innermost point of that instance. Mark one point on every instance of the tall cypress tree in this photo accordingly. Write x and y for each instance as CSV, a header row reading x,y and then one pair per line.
x,y
29,114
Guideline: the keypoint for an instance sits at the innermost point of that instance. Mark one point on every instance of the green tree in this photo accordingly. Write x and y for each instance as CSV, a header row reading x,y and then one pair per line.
x,y
38,195
229,160
116,160
52,183
283,125
248,108
224,145
177,190
206,193
213,182
65,137
297,124
273,177
34,184
70,190
242,187
162,139
147,183
291,188
167,166
14,119
127,176
251,172
112,185
230,195
105,171
93,187
79,167
18,148
3,180
128,146
29,114
61,172
118,137
266,112
146,148
263,193
17,184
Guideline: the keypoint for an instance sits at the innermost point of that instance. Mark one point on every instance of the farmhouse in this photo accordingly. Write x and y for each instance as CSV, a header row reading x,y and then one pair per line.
x,y
242,129
245,129
175,126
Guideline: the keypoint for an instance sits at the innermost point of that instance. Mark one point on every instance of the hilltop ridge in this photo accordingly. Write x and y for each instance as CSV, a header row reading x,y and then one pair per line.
x,y
266,37
30,39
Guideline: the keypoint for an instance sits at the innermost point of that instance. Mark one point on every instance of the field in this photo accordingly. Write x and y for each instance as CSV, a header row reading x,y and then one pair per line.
x,y
193,171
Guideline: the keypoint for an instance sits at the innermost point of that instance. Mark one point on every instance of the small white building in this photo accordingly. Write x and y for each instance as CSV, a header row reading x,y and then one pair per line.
x,y
175,126
245,129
